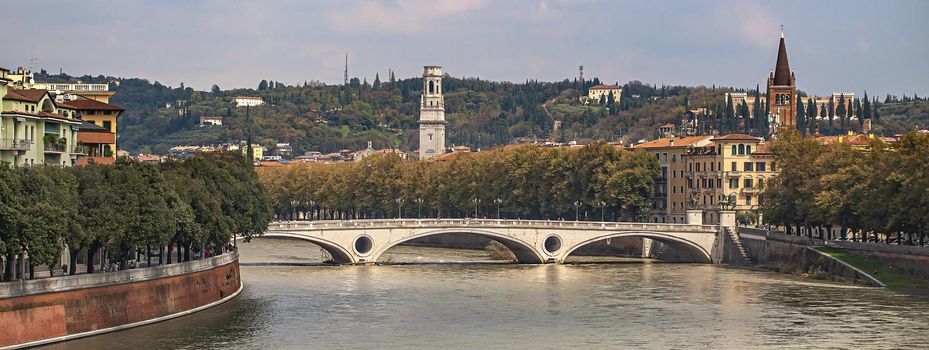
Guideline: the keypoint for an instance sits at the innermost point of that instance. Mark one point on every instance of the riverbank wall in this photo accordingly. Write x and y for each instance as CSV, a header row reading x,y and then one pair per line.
x,y
35,312
909,260
797,255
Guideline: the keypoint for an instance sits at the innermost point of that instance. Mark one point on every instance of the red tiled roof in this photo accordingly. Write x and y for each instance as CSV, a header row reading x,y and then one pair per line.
x,y
27,95
735,137
606,87
678,142
90,104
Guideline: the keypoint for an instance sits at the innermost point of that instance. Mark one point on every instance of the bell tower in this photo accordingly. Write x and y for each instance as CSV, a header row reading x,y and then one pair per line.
x,y
432,114
782,90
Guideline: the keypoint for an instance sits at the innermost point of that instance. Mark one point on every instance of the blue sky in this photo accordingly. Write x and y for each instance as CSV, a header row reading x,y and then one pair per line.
x,y
879,46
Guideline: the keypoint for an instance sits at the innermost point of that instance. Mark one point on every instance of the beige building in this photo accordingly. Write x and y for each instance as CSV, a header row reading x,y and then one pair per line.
x,y
670,194
733,166
596,91
700,172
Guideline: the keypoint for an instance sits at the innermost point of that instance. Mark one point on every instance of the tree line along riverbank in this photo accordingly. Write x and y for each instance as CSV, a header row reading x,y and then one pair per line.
x,y
526,182
126,210
873,193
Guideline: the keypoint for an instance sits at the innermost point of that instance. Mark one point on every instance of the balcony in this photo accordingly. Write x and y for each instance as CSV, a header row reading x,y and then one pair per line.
x,y
54,147
750,190
15,144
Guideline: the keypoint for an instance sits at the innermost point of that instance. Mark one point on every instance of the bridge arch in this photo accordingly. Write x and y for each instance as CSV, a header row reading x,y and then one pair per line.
x,y
524,252
699,252
339,254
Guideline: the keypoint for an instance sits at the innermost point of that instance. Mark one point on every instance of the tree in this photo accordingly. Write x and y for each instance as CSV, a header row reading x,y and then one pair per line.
x,y
263,85
810,116
841,111
801,116
377,82
216,91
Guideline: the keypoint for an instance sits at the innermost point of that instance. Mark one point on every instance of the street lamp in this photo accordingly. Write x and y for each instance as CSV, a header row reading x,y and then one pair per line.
x,y
602,210
399,208
419,210
476,202
498,201
577,207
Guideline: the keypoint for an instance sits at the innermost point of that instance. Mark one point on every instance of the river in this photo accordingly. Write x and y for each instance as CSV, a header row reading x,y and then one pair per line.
x,y
503,306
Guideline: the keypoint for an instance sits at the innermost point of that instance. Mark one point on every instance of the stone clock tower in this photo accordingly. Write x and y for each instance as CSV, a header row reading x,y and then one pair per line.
x,y
432,114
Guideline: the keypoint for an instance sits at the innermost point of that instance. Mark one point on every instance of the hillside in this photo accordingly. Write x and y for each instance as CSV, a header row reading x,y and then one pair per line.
x,y
481,113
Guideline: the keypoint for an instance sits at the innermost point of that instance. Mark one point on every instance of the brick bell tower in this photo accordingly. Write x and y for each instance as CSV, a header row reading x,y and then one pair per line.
x,y
782,90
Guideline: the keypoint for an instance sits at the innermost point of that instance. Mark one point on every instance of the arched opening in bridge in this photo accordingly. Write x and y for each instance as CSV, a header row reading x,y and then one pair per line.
x,y
285,249
458,246
637,246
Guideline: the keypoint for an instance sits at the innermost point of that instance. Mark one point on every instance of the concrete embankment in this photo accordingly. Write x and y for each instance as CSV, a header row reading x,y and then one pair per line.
x,y
798,255
36,312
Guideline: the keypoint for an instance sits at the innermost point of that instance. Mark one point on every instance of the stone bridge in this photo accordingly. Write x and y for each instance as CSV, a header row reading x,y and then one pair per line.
x,y
532,241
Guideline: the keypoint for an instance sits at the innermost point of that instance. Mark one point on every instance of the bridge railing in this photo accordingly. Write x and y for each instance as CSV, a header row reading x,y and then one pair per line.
x,y
502,223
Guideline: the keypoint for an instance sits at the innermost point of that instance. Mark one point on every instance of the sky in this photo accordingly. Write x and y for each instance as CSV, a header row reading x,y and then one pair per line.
x,y
878,46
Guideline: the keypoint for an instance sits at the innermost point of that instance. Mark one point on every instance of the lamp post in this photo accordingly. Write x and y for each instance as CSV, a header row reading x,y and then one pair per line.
x,y
399,208
577,208
602,210
476,202
419,210
498,201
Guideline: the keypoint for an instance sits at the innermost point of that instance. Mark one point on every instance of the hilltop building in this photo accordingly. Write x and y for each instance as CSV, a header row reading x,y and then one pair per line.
x,y
248,101
211,121
432,114
597,91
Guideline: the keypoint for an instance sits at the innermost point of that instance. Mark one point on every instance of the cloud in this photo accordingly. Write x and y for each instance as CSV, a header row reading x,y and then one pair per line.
x,y
400,17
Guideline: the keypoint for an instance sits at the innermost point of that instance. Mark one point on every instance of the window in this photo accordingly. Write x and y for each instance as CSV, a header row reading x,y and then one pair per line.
x,y
674,189
712,166
691,166
741,149
733,183
747,166
719,183
773,166
748,149
108,125
698,167
431,87
759,166
733,165
748,183
673,158
761,182
748,199
733,149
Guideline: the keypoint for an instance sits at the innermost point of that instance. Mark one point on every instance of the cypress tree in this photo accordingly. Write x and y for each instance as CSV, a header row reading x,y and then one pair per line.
x,y
810,115
801,116
831,110
866,107
841,112
756,108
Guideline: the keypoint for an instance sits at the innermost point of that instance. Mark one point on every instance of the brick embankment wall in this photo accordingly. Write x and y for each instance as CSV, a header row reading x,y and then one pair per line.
x,y
61,308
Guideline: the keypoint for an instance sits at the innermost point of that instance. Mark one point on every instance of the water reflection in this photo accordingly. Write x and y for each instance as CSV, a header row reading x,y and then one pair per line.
x,y
492,306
